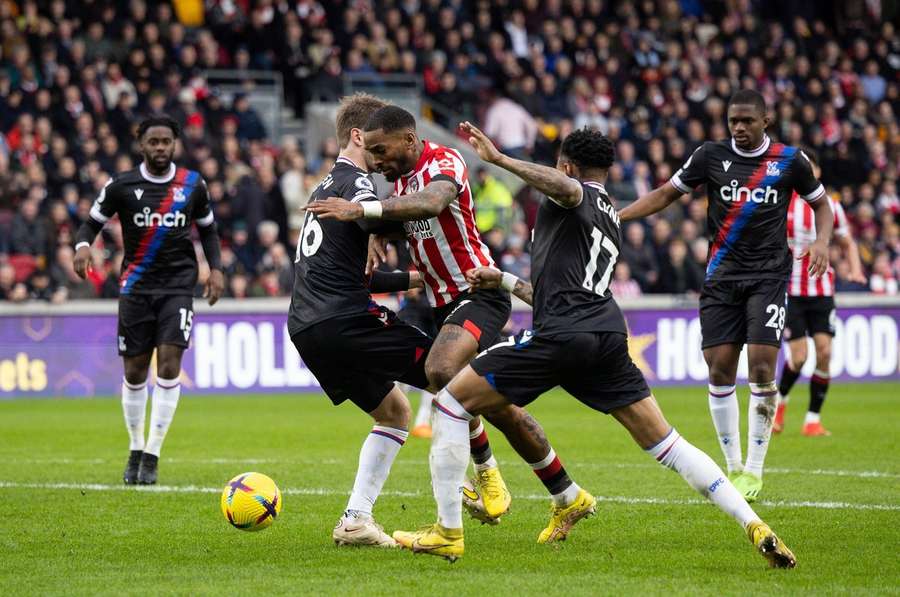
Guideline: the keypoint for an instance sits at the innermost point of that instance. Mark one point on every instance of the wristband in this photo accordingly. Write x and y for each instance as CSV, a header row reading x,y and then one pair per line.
x,y
508,282
82,244
372,209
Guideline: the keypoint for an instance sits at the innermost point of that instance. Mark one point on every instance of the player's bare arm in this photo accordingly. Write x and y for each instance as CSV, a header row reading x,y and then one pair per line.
x,y
818,251
851,252
564,190
427,203
656,200
487,278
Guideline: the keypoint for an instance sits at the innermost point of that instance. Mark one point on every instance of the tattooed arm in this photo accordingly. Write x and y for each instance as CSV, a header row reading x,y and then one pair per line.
x,y
562,190
427,203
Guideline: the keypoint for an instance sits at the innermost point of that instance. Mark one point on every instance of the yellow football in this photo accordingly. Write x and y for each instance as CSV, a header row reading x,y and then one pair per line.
x,y
251,502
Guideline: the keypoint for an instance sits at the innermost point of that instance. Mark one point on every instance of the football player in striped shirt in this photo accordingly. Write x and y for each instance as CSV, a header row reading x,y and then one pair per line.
x,y
157,204
810,311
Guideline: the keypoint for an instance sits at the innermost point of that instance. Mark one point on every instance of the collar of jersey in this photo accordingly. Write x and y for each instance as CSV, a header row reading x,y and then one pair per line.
x,y
763,148
348,161
595,184
427,149
158,179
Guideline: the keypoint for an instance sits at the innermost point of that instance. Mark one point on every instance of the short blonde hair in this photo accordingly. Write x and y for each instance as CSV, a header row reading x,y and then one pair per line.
x,y
353,113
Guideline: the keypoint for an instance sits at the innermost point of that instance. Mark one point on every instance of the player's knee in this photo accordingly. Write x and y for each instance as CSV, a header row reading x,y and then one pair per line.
x,y
135,374
169,369
439,373
720,376
761,372
823,359
394,411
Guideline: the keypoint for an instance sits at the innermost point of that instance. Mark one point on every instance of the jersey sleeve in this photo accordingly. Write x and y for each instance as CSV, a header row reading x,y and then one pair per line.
x,y
693,173
106,203
841,224
805,182
203,213
447,164
362,189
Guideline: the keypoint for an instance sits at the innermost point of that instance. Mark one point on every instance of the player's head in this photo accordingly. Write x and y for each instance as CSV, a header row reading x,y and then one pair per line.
x,y
352,115
390,136
586,154
156,137
747,118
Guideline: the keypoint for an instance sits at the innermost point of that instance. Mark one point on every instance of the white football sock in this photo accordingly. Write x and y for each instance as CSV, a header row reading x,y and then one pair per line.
x,y
165,401
812,417
423,416
449,457
703,475
134,406
375,459
761,413
723,406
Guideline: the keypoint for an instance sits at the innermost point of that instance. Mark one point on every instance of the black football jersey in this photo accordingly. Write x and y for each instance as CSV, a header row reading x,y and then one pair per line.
x,y
329,269
156,215
573,255
749,194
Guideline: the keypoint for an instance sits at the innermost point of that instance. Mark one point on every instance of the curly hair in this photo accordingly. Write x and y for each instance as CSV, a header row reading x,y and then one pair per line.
x,y
587,148
152,121
390,118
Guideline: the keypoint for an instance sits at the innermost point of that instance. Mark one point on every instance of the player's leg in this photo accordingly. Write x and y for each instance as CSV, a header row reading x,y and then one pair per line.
x,y
789,374
722,361
376,457
795,330
134,407
174,321
449,458
422,425
166,394
649,428
723,324
766,311
453,348
818,386
136,338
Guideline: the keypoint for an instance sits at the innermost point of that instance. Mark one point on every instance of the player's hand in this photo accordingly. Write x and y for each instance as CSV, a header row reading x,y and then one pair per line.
x,y
416,280
215,286
377,253
484,278
818,258
858,277
82,262
486,149
335,208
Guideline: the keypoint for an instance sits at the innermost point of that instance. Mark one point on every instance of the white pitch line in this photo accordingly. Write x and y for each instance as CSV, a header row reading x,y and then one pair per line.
x,y
322,491
413,461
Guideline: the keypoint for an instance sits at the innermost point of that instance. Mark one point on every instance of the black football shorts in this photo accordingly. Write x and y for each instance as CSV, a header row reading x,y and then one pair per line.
x,y
594,367
359,357
808,316
743,312
482,313
150,320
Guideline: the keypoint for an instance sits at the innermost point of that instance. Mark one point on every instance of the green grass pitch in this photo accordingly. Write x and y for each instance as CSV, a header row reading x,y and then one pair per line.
x,y
69,527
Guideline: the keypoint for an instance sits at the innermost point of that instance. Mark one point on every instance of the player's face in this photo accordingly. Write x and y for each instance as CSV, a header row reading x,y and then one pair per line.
x,y
392,154
747,124
158,148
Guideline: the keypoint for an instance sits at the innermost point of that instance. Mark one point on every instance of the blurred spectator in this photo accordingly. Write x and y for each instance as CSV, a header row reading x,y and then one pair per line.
x,y
493,203
639,256
678,273
623,286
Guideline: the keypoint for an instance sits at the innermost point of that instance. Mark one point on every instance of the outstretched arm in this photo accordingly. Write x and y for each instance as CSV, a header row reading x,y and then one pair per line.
x,y
656,200
427,203
488,277
562,189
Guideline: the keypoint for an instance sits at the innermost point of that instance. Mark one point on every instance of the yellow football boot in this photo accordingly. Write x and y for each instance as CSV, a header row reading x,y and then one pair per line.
x,y
494,494
563,518
770,546
434,540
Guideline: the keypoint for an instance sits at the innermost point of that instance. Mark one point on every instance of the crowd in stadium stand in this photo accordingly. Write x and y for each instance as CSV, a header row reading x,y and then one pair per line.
x,y
76,77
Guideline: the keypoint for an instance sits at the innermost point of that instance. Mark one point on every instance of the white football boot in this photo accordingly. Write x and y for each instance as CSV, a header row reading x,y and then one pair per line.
x,y
355,528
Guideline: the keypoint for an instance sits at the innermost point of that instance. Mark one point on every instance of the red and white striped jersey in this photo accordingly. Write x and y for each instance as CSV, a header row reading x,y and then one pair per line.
x,y
443,248
801,234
